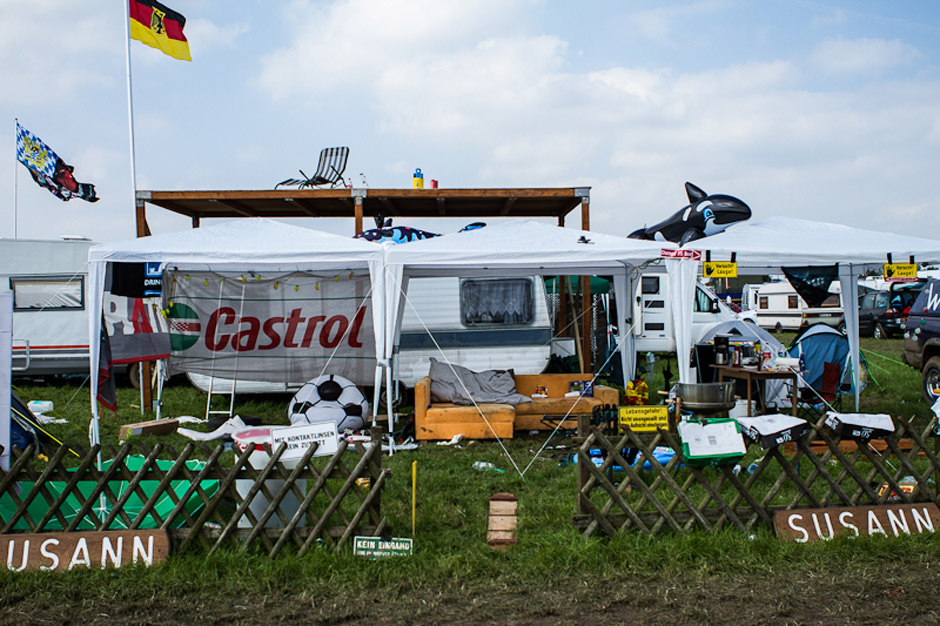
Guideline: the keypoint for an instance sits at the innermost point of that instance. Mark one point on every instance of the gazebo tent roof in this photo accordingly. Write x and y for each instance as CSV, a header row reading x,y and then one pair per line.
x,y
785,241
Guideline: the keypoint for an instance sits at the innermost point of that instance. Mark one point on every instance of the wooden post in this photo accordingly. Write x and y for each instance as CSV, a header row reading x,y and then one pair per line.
x,y
358,209
587,364
584,424
143,230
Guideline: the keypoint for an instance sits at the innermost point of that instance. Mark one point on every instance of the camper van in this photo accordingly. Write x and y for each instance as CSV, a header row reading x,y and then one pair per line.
x,y
50,320
653,327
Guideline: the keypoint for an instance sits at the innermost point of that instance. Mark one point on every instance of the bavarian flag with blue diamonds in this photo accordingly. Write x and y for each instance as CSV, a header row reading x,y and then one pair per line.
x,y
48,169
159,27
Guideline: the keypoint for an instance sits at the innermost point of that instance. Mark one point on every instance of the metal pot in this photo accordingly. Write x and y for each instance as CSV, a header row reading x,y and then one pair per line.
x,y
706,397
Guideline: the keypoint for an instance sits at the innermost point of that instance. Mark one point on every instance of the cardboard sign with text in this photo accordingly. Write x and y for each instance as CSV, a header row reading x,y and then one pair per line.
x,y
299,438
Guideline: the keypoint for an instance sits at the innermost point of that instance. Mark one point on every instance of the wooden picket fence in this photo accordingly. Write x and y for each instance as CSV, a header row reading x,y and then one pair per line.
x,y
202,504
818,470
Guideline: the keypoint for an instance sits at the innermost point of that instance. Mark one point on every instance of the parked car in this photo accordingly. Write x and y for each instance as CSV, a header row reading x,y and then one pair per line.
x,y
883,313
922,339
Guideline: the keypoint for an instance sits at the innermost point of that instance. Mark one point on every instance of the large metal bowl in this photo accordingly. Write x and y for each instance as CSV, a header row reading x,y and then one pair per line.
x,y
706,397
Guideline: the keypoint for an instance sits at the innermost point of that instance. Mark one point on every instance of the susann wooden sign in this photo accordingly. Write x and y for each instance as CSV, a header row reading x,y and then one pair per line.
x,y
890,520
61,552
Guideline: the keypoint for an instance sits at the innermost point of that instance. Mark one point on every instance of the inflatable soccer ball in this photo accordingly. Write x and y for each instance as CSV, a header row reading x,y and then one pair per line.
x,y
329,398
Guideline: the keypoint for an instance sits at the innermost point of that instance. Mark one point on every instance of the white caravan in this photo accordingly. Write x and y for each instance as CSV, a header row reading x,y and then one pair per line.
x,y
779,306
653,327
50,321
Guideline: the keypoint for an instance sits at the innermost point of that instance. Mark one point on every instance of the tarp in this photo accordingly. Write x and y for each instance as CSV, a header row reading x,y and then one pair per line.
x,y
522,248
248,244
766,245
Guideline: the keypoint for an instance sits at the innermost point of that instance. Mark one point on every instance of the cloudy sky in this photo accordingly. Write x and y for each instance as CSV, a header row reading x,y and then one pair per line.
x,y
827,110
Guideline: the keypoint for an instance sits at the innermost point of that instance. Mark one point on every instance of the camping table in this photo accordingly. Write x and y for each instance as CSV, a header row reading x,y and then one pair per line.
x,y
761,376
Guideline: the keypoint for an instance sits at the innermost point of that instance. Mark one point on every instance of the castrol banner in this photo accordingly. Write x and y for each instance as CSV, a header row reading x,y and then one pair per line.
x,y
270,327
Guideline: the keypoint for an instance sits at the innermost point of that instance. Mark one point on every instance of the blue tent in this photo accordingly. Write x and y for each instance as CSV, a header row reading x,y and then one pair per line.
x,y
821,344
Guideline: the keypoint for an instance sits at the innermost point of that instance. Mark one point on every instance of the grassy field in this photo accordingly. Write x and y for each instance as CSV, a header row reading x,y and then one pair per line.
x,y
554,575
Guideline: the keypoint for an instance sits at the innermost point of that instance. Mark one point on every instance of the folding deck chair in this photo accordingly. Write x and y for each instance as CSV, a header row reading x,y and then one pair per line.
x,y
329,170
813,403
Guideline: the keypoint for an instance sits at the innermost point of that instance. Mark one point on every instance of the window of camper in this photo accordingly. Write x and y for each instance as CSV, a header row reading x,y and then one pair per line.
x,y
497,301
793,302
48,293
762,302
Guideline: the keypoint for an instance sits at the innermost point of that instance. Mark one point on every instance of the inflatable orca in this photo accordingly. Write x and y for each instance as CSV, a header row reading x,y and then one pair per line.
x,y
706,215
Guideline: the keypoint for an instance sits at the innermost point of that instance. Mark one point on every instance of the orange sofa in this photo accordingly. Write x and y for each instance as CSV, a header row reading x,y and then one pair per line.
x,y
444,420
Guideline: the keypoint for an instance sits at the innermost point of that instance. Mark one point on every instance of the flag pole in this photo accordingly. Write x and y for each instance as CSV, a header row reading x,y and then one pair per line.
x,y
130,101
16,126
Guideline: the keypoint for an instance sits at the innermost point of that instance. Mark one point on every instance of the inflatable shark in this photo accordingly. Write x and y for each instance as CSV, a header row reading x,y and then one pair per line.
x,y
706,215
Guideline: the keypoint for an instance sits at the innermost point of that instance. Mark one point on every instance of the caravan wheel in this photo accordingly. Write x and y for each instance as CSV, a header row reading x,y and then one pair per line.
x,y
133,373
400,397
778,328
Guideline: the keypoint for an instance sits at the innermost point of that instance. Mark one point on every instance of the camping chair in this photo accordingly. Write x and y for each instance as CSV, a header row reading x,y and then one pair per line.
x,y
329,170
813,403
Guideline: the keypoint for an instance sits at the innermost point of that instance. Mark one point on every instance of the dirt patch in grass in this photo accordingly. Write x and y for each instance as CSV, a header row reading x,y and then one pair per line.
x,y
869,594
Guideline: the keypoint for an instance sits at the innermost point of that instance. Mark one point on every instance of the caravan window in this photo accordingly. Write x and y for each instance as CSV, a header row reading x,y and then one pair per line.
x,y
650,284
55,293
500,301
793,302
762,302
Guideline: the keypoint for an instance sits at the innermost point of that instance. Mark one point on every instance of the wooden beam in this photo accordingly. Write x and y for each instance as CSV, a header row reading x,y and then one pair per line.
x,y
236,206
507,206
306,206
441,208
389,207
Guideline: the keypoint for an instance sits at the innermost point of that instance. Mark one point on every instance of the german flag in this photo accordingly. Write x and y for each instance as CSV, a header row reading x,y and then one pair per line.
x,y
159,27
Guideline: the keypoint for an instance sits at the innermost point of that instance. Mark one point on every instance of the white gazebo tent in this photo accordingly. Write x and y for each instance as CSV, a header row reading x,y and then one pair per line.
x,y
256,244
520,248
764,246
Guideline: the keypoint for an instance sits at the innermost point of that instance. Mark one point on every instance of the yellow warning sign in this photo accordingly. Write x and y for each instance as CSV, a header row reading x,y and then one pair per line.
x,y
900,270
644,419
720,269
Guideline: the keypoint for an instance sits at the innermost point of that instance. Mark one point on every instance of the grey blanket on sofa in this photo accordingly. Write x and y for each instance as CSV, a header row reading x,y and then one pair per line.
x,y
490,386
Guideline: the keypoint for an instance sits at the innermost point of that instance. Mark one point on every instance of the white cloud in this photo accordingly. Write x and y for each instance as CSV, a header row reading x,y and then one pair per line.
x,y
862,56
359,40
663,23
29,31
204,35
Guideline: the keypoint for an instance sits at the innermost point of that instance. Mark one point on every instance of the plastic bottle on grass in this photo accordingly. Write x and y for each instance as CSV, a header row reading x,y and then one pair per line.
x,y
485,466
